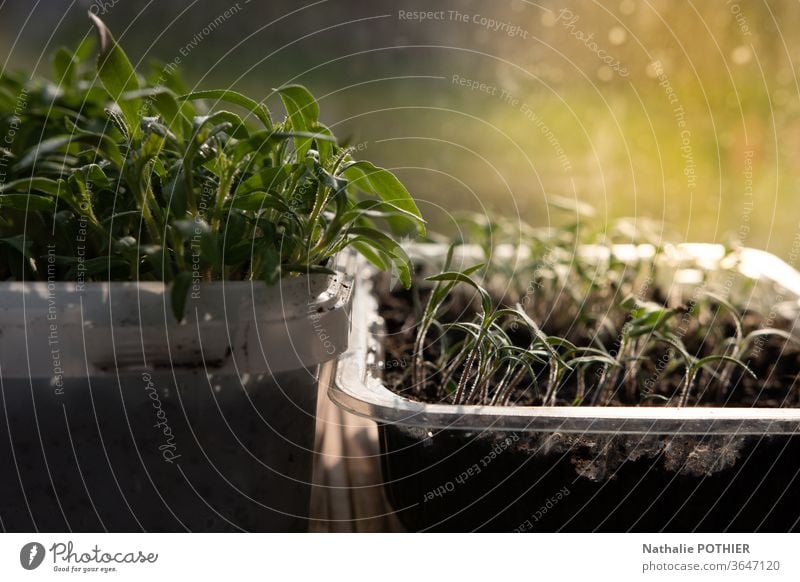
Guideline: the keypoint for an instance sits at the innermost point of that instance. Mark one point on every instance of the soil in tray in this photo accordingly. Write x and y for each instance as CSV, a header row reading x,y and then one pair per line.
x,y
774,361
453,480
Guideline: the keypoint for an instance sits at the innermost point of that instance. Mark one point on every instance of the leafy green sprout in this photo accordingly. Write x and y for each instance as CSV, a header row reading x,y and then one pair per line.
x,y
693,365
186,194
646,318
435,301
482,340
740,344
478,352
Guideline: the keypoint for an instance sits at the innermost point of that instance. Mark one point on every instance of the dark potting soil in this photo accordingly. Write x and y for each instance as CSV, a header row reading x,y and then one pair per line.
x,y
775,362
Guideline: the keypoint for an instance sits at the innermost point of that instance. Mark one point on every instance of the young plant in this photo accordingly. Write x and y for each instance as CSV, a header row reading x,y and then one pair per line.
x,y
436,299
478,351
693,365
741,343
646,319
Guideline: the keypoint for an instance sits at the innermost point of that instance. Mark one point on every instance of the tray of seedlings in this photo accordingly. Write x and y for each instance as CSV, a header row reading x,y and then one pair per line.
x,y
559,380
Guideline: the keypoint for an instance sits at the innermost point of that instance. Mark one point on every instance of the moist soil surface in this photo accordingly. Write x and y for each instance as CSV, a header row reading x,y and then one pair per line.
x,y
775,362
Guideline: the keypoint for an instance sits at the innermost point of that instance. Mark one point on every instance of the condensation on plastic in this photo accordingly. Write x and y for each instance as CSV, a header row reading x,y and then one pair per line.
x,y
70,330
358,388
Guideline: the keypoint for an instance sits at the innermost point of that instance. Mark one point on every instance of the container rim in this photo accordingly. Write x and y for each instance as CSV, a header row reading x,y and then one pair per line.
x,y
291,298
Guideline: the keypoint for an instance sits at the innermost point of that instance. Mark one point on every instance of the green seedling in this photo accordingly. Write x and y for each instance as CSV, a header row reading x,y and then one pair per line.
x,y
741,343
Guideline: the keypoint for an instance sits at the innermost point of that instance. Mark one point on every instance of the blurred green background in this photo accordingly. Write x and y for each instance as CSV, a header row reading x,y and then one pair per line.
x,y
685,113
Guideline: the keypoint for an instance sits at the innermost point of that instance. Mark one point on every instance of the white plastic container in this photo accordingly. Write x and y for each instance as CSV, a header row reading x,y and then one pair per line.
x,y
117,417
